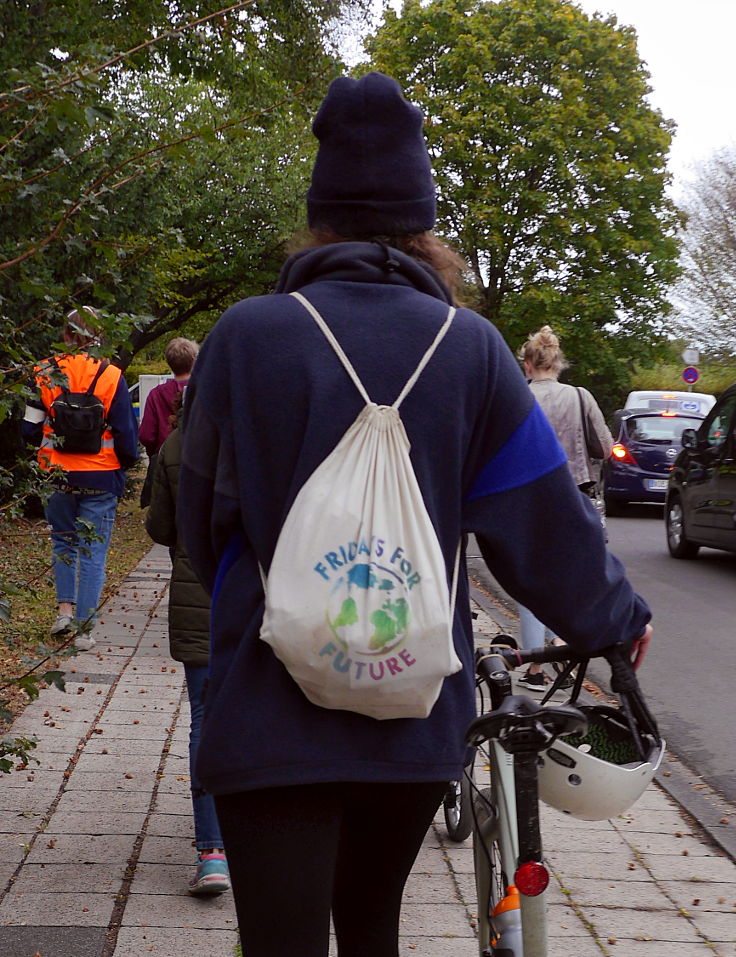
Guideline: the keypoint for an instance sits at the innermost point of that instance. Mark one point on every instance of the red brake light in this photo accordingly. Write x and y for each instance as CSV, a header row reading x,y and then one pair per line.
x,y
621,453
670,414
531,878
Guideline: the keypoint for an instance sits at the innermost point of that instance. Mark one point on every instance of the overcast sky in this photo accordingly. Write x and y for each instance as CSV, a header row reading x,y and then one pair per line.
x,y
688,46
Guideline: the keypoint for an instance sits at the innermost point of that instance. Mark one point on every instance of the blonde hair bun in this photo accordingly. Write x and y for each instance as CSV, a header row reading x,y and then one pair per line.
x,y
543,353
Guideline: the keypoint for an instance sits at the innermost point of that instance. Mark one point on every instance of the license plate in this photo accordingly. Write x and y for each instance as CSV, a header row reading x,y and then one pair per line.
x,y
657,485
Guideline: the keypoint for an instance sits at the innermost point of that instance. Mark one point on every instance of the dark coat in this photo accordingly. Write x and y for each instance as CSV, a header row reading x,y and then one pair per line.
x,y
189,603
268,401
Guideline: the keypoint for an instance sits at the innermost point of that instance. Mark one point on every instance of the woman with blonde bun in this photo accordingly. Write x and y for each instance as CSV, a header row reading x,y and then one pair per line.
x,y
565,406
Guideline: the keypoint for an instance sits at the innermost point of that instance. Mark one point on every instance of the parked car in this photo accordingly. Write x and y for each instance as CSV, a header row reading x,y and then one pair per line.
x,y
684,403
646,444
701,493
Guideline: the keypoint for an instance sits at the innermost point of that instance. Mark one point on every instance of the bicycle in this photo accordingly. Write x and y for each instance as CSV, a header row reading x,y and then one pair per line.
x,y
533,750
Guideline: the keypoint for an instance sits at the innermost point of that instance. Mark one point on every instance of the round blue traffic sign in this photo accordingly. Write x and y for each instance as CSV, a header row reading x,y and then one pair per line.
x,y
690,374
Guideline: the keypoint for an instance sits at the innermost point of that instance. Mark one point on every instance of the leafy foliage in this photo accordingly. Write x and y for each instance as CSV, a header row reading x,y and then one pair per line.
x,y
551,168
152,158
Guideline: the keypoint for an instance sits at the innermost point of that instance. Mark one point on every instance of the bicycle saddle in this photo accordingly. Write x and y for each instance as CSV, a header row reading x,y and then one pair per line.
x,y
521,718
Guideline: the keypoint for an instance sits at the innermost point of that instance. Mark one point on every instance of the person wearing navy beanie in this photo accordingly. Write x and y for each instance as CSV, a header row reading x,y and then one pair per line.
x,y
323,811
372,175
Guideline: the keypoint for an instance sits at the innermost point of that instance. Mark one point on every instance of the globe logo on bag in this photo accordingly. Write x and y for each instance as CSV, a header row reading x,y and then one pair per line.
x,y
368,608
381,594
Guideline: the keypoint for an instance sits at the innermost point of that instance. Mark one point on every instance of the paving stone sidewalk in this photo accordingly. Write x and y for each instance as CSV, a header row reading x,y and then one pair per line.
x,y
96,841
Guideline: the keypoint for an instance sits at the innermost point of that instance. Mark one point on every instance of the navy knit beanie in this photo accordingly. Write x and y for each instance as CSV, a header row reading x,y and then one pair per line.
x,y
372,175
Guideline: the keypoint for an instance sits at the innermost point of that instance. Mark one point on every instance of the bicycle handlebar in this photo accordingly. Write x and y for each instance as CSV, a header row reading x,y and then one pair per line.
x,y
515,658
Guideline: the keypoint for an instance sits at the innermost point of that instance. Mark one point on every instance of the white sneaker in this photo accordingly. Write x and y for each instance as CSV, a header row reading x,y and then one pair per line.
x,y
62,625
84,642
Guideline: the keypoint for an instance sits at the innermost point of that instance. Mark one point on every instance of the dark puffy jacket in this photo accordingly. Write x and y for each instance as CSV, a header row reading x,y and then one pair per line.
x,y
189,603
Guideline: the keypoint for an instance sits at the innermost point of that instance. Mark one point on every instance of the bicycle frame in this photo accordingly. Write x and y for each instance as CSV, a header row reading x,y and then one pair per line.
x,y
497,825
507,844
507,841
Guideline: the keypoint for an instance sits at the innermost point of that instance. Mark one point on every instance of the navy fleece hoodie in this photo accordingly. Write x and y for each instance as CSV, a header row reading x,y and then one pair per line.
x,y
268,401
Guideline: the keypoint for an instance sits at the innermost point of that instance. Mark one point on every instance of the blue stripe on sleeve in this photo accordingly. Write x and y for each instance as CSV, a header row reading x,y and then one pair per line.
x,y
232,553
532,451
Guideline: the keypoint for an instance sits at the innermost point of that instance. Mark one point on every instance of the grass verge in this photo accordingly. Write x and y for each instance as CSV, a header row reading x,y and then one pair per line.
x,y
25,563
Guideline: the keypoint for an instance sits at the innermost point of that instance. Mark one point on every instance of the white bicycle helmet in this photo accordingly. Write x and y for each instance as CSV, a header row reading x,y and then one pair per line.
x,y
602,774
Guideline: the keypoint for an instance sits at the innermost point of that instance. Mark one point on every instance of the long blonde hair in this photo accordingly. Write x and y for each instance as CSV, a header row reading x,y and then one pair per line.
x,y
543,353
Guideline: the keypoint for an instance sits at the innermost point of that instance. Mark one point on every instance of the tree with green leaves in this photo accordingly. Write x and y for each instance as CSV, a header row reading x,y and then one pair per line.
x,y
151,157
550,165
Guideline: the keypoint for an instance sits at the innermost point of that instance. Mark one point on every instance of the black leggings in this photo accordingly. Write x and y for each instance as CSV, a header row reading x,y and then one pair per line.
x,y
298,853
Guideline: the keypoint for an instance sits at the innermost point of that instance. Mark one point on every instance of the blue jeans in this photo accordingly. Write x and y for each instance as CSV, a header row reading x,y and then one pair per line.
x,y
79,563
532,631
206,826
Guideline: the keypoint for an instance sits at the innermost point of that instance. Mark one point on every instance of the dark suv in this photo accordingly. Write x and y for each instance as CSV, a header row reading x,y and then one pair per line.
x,y
700,506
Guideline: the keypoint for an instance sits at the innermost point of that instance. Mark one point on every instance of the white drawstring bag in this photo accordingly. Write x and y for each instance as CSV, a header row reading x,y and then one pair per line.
x,y
357,603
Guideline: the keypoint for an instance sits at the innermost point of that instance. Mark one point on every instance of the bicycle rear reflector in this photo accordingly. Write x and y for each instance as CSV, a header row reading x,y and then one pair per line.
x,y
531,878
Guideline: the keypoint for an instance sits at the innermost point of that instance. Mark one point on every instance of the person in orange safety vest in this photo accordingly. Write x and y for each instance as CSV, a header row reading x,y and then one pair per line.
x,y
87,484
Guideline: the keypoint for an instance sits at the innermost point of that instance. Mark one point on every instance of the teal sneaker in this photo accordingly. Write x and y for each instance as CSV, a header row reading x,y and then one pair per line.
x,y
211,876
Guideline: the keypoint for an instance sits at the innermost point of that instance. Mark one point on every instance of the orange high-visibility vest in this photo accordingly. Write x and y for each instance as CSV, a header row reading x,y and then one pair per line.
x,y
79,369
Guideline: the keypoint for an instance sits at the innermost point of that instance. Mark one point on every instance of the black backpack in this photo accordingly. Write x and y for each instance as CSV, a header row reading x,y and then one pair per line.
x,y
79,418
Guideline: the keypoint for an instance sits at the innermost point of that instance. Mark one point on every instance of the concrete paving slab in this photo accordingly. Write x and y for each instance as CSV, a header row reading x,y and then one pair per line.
x,y
52,761
52,941
668,820
430,861
655,948
630,923
111,849
134,761
616,866
123,747
148,719
174,803
96,821
701,895
583,947
718,928
171,825
608,841
162,879
459,857
132,732
25,799
435,889
112,781
564,923
435,920
589,892
70,878
173,784
159,942
57,910
686,844
435,947
155,910
168,850
687,868
46,780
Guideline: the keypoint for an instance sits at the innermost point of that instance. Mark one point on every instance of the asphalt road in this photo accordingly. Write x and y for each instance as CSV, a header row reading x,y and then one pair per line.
x,y
689,677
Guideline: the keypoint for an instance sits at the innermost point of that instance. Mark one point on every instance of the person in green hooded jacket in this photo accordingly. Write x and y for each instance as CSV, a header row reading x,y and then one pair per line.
x,y
189,642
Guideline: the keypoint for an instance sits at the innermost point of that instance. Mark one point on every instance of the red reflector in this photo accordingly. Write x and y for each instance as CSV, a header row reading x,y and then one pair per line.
x,y
531,878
